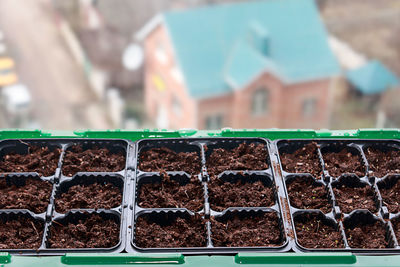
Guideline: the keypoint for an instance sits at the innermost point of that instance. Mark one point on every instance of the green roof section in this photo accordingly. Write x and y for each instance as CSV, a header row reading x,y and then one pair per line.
x,y
223,47
372,78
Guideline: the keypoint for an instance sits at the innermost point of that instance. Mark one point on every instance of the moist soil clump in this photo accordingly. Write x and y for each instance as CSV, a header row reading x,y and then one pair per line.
x,y
164,159
252,231
34,195
244,157
338,163
91,232
39,159
303,160
352,198
303,194
77,159
367,236
92,196
312,232
181,232
391,197
381,162
21,233
170,194
224,194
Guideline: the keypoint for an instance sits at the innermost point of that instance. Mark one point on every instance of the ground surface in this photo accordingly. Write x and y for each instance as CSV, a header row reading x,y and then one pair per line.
x,y
58,86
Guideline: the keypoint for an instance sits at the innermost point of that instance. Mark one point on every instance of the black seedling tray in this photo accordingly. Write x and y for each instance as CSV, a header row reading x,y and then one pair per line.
x,y
339,219
61,183
131,179
204,148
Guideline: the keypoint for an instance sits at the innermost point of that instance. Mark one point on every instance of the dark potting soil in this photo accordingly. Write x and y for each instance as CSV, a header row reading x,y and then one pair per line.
x,y
39,159
164,159
381,162
181,232
367,236
224,194
351,198
312,232
391,197
244,157
91,232
21,233
34,195
92,196
77,159
170,194
303,194
303,160
338,163
252,231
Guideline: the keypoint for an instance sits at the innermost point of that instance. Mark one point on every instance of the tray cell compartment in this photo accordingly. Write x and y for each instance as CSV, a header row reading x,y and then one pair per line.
x,y
246,228
170,191
89,191
169,229
94,156
317,231
237,190
39,157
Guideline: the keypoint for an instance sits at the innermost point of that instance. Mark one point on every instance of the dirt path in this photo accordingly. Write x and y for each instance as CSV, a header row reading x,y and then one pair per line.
x,y
57,84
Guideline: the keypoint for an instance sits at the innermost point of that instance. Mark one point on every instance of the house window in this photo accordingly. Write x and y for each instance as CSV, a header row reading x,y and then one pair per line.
x,y
259,102
176,106
309,107
177,75
161,54
214,122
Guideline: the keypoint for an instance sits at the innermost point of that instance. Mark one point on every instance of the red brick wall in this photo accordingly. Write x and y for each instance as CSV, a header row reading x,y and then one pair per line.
x,y
285,105
243,117
294,95
155,98
218,105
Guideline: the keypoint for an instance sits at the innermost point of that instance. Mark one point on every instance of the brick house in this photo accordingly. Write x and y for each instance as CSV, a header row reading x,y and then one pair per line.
x,y
258,64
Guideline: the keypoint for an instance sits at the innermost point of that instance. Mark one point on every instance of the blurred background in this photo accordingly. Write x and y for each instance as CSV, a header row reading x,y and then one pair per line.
x,y
203,64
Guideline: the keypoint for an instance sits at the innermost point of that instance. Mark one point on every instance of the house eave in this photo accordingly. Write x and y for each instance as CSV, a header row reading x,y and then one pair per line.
x,y
149,27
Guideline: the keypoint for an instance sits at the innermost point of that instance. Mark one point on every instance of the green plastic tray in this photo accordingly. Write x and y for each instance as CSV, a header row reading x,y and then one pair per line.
x,y
241,259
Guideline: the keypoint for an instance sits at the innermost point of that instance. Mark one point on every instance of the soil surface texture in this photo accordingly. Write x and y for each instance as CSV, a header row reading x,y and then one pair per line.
x,y
303,194
338,163
164,159
381,162
244,157
252,231
92,196
391,197
367,236
182,232
312,232
349,198
91,160
224,194
303,160
92,232
34,195
21,233
39,159
170,194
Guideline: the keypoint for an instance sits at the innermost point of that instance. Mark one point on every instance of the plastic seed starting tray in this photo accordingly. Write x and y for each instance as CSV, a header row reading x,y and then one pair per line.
x,y
60,183
203,148
314,195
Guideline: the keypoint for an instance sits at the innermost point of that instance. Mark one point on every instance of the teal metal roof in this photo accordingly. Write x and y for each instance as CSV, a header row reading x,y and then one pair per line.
x,y
372,78
221,47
